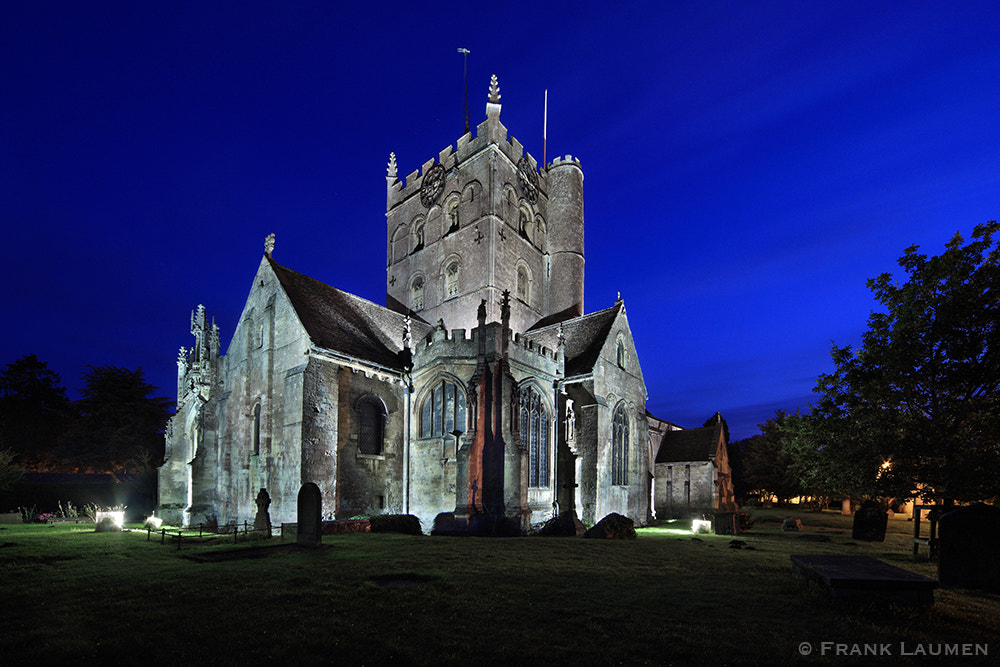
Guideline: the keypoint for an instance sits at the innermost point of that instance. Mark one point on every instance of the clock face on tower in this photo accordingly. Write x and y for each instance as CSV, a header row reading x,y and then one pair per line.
x,y
528,180
432,185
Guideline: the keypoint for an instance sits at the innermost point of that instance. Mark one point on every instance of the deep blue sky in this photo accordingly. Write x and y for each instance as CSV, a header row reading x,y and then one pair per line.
x,y
748,165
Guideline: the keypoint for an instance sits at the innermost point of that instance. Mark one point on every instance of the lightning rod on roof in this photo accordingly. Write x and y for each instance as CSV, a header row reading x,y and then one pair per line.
x,y
545,126
465,85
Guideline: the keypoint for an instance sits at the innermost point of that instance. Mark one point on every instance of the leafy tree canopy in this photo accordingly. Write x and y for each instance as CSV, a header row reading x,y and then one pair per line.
x,y
921,391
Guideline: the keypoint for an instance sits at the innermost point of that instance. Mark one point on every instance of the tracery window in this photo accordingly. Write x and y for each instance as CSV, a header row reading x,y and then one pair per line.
x,y
535,435
619,447
451,279
443,411
417,294
371,421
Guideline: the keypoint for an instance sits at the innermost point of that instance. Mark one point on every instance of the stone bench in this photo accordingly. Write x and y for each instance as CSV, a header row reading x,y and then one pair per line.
x,y
865,579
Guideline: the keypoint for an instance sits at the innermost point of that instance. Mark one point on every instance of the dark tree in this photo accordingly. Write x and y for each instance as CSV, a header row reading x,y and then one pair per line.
x,y
121,423
10,472
768,464
921,392
34,410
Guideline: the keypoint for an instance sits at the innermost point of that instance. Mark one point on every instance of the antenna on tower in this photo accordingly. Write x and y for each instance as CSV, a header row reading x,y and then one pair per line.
x,y
465,84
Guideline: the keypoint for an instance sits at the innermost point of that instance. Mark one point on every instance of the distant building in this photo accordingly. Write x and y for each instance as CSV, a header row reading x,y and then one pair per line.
x,y
480,397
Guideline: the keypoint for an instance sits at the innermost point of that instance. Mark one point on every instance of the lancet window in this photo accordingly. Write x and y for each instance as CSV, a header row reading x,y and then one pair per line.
x,y
619,447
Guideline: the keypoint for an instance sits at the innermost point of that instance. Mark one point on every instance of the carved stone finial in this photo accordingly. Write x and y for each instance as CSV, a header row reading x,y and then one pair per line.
x,y
494,97
505,306
407,335
269,244
481,314
391,171
562,335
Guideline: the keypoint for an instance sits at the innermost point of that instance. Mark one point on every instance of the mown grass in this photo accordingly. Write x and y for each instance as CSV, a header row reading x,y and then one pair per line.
x,y
73,596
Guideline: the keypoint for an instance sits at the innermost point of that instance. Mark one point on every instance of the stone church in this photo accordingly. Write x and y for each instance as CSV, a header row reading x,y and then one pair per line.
x,y
481,397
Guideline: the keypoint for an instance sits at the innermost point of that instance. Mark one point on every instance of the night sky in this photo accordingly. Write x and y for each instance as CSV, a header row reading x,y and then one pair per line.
x,y
748,165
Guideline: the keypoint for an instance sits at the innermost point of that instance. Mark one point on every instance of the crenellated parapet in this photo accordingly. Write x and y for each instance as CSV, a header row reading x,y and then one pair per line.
x,y
490,132
463,344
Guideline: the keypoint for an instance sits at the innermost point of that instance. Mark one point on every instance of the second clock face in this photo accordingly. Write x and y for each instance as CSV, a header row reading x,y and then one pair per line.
x,y
528,179
432,185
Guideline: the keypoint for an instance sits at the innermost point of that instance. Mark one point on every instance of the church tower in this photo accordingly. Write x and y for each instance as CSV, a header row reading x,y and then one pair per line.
x,y
481,219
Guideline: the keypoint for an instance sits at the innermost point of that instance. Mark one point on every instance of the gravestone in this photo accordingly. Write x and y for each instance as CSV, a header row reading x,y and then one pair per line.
x,y
262,522
310,504
791,524
727,523
869,524
969,547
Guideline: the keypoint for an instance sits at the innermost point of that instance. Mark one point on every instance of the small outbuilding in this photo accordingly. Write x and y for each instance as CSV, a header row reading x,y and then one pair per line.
x,y
692,476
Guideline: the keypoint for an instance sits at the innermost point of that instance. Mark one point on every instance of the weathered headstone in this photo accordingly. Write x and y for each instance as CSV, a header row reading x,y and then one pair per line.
x,y
613,527
566,524
969,547
791,524
869,524
262,522
310,504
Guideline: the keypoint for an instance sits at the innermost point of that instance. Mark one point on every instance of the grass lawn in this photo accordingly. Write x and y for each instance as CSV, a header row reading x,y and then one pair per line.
x,y
73,596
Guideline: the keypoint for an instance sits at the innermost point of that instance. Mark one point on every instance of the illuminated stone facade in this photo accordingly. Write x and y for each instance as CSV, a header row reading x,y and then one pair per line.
x,y
480,398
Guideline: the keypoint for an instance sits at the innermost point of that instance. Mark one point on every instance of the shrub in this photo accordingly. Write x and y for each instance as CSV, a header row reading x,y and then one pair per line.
x,y
396,523
746,519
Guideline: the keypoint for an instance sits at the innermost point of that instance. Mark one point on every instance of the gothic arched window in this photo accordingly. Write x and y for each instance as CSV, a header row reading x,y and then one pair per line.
x,y
371,420
418,236
417,294
523,288
619,447
451,280
452,211
535,435
443,411
622,354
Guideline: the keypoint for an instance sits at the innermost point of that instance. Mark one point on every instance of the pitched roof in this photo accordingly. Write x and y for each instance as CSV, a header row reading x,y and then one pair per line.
x,y
585,338
342,322
693,444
